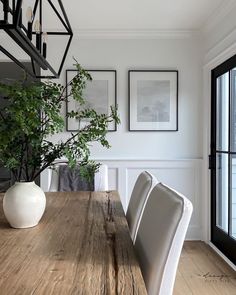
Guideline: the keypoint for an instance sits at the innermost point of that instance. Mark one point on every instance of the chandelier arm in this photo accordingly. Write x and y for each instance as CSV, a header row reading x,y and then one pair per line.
x,y
35,9
16,15
33,66
58,15
24,28
22,35
65,54
28,47
16,61
65,15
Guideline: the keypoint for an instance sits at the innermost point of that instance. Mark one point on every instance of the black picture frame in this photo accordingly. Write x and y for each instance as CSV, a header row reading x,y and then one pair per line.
x,y
153,100
105,81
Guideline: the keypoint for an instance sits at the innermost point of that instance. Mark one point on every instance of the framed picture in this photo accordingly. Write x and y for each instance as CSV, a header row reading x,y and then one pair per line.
x,y
100,94
153,100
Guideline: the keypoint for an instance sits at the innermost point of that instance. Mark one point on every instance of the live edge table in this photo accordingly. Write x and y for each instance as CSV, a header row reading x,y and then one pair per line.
x,y
81,246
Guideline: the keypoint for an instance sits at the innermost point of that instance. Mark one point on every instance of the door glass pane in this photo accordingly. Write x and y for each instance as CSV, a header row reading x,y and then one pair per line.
x,y
233,110
233,193
222,191
233,148
222,122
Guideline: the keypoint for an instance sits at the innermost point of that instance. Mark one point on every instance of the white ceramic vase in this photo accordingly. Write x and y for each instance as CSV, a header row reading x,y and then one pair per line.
x,y
24,204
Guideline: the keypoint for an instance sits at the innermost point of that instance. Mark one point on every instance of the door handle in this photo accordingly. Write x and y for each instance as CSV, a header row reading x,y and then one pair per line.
x,y
211,162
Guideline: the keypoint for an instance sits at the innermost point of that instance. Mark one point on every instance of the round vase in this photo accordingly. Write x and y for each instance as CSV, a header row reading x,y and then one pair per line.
x,y
24,204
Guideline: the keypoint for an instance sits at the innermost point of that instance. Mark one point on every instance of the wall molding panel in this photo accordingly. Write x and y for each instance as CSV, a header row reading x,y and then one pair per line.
x,y
182,175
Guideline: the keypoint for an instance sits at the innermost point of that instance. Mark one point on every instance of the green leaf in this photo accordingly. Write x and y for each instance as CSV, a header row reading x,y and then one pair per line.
x,y
32,114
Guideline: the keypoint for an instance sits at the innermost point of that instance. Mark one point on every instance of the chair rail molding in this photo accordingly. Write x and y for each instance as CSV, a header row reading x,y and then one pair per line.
x,y
184,176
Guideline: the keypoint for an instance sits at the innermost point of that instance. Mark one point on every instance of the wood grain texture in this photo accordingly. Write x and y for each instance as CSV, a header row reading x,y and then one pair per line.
x,y
202,271
81,246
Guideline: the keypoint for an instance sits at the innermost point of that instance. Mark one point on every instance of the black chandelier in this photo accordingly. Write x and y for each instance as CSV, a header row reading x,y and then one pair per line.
x,y
32,36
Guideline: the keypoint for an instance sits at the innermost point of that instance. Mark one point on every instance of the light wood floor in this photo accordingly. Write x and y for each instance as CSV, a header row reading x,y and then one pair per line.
x,y
202,272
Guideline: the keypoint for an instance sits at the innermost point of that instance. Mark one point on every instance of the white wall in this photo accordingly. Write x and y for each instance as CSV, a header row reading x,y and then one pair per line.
x,y
122,55
183,54
149,150
161,153
174,157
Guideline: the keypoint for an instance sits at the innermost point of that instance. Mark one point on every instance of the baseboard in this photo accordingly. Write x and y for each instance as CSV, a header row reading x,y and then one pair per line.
x,y
233,266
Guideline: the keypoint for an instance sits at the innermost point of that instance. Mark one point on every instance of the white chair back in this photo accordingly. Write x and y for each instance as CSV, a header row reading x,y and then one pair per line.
x,y
160,238
100,177
143,185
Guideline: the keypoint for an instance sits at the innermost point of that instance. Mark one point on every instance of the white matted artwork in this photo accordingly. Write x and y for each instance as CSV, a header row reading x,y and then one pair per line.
x,y
99,94
153,100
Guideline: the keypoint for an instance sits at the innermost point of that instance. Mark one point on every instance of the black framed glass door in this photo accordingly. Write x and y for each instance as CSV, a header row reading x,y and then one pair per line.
x,y
223,158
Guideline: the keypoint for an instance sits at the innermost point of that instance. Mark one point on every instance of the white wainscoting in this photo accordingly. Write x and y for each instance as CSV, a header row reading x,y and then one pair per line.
x,y
182,175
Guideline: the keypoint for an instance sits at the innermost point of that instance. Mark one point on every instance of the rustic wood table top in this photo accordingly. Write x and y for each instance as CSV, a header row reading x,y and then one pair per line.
x,y
81,246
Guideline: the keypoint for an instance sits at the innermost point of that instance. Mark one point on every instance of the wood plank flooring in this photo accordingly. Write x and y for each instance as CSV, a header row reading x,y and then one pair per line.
x,y
202,272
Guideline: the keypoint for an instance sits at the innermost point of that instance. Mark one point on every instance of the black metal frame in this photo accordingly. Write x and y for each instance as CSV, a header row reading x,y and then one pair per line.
x,y
129,102
18,33
222,240
90,70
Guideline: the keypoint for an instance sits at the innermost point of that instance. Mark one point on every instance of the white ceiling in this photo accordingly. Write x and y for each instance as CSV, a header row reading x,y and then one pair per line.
x,y
141,14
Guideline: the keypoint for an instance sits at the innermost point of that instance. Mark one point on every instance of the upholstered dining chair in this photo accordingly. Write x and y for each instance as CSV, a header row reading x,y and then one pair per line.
x,y
160,238
100,177
142,187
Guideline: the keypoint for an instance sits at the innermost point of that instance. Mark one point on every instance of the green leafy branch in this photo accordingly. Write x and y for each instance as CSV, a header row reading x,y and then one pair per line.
x,y
32,114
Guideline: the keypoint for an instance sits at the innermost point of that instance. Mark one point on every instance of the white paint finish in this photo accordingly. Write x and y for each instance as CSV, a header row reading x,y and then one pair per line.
x,y
113,178
135,19
221,13
140,14
181,179
182,175
89,17
45,179
133,34
122,55
220,36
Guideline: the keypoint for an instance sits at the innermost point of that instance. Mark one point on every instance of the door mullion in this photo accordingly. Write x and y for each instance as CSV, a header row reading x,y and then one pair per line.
x,y
213,152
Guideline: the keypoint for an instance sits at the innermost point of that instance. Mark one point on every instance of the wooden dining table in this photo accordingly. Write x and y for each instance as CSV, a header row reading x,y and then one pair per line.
x,y
81,246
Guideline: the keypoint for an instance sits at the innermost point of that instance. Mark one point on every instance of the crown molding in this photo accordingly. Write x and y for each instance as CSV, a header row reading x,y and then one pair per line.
x,y
218,15
219,53
86,33
90,33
